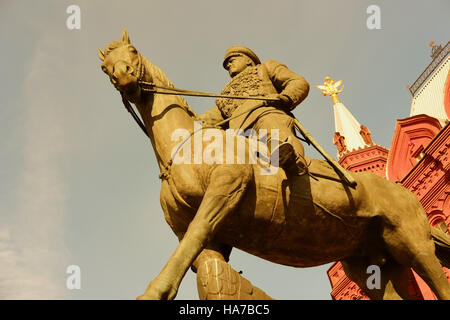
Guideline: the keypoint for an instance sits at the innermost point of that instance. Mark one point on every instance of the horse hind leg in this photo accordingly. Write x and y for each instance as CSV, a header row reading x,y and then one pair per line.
x,y
411,245
391,285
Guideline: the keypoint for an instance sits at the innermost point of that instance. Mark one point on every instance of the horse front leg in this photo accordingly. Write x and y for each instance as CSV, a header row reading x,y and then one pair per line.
x,y
227,185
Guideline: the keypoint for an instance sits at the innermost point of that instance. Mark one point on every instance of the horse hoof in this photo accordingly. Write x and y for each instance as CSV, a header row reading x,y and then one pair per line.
x,y
144,297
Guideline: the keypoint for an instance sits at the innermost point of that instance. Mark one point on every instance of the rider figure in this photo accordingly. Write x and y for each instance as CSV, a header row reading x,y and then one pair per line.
x,y
250,77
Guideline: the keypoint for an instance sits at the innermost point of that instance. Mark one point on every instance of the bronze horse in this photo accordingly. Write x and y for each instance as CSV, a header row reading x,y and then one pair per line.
x,y
299,221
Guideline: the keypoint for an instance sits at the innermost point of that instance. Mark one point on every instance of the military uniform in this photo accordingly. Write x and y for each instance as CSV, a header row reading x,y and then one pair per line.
x,y
269,79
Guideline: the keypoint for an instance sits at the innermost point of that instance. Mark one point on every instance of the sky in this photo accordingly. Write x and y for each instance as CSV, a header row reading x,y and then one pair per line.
x,y
78,179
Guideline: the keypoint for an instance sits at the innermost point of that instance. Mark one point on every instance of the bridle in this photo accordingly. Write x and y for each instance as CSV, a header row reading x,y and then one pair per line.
x,y
127,104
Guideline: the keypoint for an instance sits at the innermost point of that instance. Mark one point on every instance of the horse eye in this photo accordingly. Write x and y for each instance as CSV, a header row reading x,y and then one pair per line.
x,y
132,49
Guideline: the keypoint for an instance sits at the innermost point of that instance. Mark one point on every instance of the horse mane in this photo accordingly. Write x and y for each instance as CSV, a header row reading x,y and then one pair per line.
x,y
157,74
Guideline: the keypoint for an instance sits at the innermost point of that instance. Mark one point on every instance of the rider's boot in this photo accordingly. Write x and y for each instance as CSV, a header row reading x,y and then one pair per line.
x,y
288,158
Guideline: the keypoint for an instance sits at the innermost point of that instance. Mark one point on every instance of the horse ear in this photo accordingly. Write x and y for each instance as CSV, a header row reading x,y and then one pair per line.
x,y
101,55
125,37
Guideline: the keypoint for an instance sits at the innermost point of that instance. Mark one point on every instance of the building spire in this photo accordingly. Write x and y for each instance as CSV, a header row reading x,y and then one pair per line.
x,y
331,88
349,135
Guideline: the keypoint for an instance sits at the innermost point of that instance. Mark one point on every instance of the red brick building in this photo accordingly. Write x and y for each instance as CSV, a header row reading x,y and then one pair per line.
x,y
419,157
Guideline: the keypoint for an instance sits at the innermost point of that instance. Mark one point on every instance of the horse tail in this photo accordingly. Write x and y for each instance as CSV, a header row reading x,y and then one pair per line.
x,y
442,244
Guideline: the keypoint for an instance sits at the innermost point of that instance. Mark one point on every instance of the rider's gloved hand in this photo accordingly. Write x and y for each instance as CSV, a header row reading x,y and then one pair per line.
x,y
283,101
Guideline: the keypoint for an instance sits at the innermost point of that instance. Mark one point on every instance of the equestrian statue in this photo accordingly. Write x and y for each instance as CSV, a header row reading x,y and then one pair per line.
x,y
307,213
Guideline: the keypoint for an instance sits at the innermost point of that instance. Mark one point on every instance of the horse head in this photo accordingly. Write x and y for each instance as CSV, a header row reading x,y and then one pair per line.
x,y
123,65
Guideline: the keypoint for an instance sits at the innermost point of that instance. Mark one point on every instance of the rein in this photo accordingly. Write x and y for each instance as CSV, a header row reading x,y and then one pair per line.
x,y
149,87
136,118
152,88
